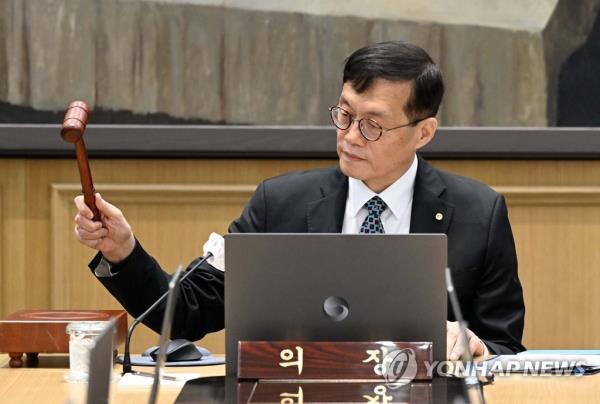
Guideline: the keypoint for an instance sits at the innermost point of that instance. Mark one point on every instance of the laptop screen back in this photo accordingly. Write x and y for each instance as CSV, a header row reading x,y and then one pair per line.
x,y
328,287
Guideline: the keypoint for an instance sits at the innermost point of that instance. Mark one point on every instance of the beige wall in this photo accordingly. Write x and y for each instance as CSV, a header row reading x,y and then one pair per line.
x,y
174,204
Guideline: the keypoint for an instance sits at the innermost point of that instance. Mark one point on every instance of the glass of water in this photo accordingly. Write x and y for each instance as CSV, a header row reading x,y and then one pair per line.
x,y
81,339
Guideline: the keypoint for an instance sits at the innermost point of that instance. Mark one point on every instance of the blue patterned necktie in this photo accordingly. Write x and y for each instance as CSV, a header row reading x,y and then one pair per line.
x,y
372,223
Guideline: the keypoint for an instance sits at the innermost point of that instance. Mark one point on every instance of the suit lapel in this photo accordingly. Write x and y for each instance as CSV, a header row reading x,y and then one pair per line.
x,y
430,213
326,215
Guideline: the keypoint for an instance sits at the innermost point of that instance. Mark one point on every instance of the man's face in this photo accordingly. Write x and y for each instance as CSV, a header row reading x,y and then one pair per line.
x,y
378,164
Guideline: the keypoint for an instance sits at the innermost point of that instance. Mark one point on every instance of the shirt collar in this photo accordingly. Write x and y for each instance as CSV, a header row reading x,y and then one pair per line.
x,y
396,196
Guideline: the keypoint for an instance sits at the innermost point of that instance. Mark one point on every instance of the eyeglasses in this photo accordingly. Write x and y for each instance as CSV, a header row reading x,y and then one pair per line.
x,y
369,129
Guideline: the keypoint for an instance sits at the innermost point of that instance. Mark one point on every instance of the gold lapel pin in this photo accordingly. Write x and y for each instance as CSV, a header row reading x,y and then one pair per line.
x,y
439,217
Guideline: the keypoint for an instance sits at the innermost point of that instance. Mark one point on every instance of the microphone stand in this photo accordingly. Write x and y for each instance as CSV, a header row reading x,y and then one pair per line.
x,y
472,383
141,317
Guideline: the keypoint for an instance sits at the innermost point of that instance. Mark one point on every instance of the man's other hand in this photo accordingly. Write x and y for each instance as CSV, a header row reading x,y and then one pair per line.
x,y
454,347
112,236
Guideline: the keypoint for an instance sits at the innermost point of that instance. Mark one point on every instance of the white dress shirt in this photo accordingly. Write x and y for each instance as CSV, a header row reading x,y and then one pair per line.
x,y
398,197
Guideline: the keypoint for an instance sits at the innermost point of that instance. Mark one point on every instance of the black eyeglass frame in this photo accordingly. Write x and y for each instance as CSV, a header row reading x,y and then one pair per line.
x,y
382,130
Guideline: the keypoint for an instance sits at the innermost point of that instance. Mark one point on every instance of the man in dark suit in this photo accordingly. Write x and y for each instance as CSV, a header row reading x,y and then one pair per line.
x,y
386,112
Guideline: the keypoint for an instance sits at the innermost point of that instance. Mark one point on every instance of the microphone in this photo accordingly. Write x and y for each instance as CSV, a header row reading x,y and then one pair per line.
x,y
141,317
472,383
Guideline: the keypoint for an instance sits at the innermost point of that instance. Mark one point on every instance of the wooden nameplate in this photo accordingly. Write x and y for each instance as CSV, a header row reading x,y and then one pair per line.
x,y
390,362
44,331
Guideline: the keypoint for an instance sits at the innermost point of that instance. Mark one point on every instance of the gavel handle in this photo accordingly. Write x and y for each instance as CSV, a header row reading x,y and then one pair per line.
x,y
87,186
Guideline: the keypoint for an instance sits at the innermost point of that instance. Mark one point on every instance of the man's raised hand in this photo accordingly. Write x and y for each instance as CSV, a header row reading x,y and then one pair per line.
x,y
112,236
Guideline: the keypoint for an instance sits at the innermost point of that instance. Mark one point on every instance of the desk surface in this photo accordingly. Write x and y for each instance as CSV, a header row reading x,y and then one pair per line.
x,y
46,384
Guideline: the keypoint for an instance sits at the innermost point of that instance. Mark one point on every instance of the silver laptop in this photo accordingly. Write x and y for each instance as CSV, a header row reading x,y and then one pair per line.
x,y
335,287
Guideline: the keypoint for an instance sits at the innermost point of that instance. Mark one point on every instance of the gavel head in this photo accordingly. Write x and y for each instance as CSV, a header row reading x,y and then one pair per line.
x,y
76,118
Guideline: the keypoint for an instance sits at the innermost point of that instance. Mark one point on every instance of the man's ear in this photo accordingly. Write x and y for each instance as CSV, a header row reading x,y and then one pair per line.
x,y
426,131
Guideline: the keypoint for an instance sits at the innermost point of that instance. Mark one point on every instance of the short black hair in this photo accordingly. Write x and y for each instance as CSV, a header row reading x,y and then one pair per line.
x,y
398,61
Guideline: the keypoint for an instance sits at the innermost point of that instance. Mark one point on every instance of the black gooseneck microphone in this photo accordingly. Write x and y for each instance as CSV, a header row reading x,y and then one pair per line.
x,y
472,384
141,317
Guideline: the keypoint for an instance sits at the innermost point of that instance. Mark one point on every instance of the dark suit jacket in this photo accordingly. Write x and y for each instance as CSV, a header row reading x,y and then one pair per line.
x,y
481,251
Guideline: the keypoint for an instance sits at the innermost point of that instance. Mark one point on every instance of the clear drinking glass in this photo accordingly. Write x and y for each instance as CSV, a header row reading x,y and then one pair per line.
x,y
81,339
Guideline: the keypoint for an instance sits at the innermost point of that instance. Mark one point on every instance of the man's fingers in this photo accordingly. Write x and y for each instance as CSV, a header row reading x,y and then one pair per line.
x,y
87,224
452,333
88,243
453,347
90,235
476,346
456,350
450,341
107,209
82,207
112,235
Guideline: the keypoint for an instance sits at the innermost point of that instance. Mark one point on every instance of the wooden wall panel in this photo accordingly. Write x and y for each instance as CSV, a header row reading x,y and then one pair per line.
x,y
13,274
528,173
160,199
2,255
174,204
557,233
172,221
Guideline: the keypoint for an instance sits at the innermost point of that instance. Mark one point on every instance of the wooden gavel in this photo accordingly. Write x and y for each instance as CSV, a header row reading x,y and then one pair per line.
x,y
76,118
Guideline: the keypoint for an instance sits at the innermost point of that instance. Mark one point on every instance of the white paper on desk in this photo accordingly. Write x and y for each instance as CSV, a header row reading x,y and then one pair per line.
x,y
133,380
561,359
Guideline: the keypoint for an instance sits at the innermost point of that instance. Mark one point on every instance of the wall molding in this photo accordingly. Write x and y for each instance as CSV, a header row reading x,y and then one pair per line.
x,y
165,193
550,196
